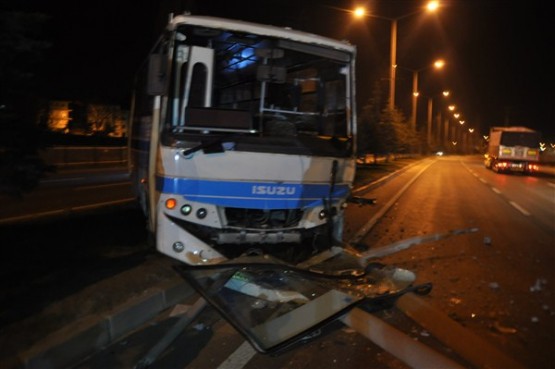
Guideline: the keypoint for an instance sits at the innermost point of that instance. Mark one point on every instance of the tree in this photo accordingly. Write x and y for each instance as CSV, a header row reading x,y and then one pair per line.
x,y
78,123
21,48
406,140
101,118
383,131
370,131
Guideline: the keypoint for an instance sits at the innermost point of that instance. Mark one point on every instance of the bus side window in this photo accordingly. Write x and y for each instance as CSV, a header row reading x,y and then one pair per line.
x,y
196,84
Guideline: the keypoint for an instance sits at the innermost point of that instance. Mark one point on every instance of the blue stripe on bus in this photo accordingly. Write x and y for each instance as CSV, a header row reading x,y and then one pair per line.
x,y
253,195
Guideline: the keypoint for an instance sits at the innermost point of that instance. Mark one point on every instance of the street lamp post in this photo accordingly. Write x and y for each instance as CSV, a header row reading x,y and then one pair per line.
x,y
447,127
429,125
393,65
415,94
431,6
429,121
438,64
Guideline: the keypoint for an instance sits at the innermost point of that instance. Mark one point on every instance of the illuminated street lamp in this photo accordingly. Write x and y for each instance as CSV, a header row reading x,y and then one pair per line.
x,y
359,12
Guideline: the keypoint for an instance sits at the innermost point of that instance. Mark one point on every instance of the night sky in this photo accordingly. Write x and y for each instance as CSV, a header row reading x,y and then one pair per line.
x,y
499,69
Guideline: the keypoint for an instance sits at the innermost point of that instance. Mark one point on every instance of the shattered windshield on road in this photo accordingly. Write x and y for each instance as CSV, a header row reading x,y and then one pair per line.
x,y
274,304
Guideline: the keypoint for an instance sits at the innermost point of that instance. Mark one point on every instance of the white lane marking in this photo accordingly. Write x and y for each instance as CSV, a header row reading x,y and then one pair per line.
x,y
66,211
551,184
496,190
482,180
362,232
21,218
102,204
239,358
104,185
519,208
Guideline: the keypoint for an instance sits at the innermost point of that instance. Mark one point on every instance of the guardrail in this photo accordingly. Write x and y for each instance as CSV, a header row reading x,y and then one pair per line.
x,y
375,159
77,156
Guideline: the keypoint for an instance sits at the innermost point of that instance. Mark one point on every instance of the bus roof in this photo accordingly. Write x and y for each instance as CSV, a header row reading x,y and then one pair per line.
x,y
261,29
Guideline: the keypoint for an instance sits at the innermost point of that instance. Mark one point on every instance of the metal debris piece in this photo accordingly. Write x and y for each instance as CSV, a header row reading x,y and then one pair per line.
x,y
199,327
494,285
179,309
503,329
538,286
409,242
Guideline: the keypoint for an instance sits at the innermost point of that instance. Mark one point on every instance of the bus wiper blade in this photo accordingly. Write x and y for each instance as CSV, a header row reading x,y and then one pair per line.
x,y
211,147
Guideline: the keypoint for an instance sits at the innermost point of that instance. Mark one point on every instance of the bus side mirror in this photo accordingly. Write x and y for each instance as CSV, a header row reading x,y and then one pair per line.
x,y
157,75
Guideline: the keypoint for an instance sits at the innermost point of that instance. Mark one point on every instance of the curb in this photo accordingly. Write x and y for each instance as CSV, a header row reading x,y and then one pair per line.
x,y
71,344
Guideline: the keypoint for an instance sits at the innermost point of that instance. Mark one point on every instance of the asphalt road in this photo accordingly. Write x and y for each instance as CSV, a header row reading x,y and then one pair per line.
x,y
494,281
66,193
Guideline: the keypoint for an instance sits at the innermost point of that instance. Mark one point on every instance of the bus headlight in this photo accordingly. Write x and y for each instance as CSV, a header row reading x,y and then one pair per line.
x,y
202,213
186,209
178,246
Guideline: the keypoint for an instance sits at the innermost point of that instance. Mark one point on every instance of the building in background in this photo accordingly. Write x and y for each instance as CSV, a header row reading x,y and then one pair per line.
x,y
79,118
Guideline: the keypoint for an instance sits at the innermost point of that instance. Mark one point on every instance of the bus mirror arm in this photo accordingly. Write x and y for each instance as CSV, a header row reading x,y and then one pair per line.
x,y
361,200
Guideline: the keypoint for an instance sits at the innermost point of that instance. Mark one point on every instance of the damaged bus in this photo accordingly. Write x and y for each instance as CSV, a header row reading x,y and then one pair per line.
x,y
243,138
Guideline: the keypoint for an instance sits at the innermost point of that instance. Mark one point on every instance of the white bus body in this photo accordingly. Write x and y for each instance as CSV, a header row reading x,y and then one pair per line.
x,y
243,138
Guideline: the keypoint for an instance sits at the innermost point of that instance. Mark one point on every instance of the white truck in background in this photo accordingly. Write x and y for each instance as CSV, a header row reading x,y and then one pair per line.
x,y
513,149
